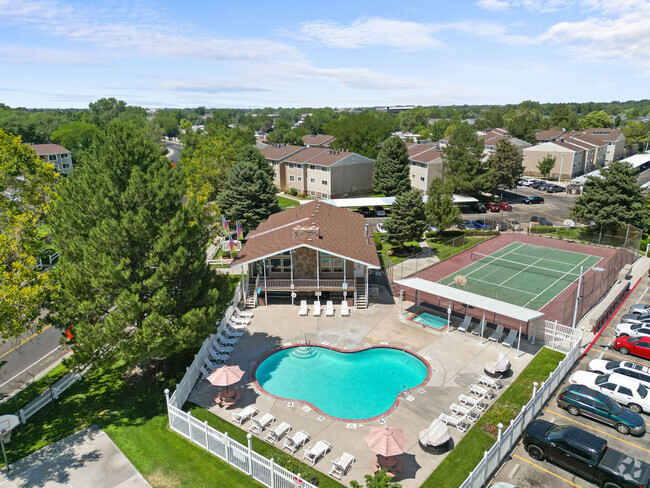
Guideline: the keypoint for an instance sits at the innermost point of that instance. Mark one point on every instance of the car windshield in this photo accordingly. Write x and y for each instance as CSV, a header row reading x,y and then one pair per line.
x,y
613,364
613,407
643,391
514,222
557,431
602,378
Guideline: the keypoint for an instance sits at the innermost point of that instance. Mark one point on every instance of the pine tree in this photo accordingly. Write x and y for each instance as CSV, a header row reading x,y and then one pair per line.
x,y
440,209
505,166
248,196
252,155
462,160
133,279
613,200
391,175
407,220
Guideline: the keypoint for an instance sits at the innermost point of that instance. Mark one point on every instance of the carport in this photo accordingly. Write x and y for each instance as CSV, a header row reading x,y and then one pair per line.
x,y
486,304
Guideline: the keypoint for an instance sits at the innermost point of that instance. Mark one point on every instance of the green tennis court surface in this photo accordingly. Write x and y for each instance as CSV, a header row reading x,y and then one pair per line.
x,y
522,274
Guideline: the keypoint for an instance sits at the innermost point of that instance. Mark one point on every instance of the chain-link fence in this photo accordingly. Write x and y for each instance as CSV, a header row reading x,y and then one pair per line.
x,y
627,237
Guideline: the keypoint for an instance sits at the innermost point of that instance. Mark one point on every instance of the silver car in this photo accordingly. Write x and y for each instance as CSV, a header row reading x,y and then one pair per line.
x,y
639,308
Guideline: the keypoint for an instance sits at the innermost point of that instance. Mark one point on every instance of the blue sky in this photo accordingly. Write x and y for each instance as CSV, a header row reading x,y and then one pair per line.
x,y
356,53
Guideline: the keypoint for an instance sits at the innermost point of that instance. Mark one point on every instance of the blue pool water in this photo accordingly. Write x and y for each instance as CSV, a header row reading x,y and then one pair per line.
x,y
430,320
357,385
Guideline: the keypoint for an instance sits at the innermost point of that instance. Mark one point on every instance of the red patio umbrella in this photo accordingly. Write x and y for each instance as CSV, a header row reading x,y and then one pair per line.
x,y
386,441
225,376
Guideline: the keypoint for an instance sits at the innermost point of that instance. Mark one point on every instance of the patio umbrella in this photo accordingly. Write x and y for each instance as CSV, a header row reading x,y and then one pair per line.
x,y
225,376
386,441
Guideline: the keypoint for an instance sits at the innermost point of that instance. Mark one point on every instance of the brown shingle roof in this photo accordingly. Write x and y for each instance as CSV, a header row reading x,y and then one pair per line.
x,y
278,152
341,232
605,135
330,157
305,154
316,139
42,149
547,135
427,156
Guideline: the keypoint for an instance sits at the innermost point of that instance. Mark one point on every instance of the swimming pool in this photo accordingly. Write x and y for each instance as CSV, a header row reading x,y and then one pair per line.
x,y
358,385
430,320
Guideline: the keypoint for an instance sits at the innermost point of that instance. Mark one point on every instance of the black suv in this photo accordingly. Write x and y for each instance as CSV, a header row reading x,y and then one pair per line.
x,y
365,211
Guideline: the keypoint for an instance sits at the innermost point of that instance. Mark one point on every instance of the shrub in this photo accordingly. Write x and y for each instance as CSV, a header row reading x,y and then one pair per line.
x,y
295,466
293,192
377,238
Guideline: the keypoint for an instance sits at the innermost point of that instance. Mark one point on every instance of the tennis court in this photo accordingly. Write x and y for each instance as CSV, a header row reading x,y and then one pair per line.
x,y
522,274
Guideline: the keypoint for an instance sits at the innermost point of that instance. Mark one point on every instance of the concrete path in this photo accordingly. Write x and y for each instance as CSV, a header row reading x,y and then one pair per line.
x,y
88,458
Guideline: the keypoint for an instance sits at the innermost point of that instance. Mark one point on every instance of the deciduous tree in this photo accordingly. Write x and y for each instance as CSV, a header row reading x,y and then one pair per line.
x,y
391,175
407,220
132,274
612,200
104,110
505,166
522,122
636,133
462,161
360,133
598,118
546,165
440,209
75,136
27,184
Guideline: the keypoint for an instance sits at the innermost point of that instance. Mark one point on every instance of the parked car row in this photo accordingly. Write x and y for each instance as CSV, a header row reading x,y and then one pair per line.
x,y
378,211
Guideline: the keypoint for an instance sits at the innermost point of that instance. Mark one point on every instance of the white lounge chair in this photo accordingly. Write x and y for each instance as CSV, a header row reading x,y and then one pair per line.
x,y
490,382
313,454
204,372
239,320
303,307
221,359
241,313
329,309
477,330
481,392
345,310
510,340
246,413
464,411
465,323
317,310
341,465
497,334
295,442
228,332
220,350
225,340
260,424
277,432
473,402
236,326
458,422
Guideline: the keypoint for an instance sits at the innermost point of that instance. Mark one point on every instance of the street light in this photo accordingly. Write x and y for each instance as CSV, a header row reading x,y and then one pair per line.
x,y
575,308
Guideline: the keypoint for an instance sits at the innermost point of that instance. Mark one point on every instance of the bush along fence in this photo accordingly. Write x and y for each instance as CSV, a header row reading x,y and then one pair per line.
x,y
262,469
508,438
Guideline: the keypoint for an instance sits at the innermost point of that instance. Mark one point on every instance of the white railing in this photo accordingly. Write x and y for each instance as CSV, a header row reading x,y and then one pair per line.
x,y
509,437
556,336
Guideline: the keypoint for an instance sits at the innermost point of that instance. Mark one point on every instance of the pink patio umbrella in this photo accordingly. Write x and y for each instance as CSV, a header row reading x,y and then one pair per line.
x,y
225,376
385,441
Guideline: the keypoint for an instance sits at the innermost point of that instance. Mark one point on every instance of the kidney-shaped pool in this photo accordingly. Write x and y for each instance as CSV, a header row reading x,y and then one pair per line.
x,y
356,385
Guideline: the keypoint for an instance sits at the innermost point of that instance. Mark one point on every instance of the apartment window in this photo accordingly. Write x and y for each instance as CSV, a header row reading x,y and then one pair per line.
x,y
280,264
325,169
312,180
324,195
66,165
65,156
412,176
323,182
292,178
331,265
52,157
275,175
421,178
291,165
311,166
299,178
312,193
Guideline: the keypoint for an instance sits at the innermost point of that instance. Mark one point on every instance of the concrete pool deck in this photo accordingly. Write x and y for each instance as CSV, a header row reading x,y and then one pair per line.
x,y
456,360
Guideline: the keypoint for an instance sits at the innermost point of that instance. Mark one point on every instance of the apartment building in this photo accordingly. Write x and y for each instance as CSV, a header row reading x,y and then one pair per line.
x,y
425,164
569,159
612,140
319,140
59,156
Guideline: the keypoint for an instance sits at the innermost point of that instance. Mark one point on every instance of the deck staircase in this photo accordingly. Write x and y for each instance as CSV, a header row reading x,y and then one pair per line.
x,y
251,293
362,299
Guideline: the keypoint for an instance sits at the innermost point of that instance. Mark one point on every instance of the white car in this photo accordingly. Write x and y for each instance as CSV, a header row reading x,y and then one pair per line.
x,y
633,330
380,228
625,390
626,368
527,181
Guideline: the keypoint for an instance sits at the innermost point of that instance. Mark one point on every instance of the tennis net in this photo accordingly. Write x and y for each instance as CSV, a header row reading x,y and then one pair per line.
x,y
552,273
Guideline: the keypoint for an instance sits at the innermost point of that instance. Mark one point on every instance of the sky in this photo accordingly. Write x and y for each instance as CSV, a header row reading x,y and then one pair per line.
x,y
248,54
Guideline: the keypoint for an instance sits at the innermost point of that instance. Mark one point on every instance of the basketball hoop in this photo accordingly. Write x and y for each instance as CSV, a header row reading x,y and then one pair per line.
x,y
7,424
460,280
6,435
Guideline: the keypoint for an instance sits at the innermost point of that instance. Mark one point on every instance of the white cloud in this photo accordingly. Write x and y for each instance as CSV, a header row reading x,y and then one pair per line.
x,y
210,87
535,6
16,54
493,4
375,31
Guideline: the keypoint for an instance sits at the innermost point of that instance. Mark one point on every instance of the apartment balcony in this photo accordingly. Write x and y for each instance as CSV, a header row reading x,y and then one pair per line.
x,y
301,284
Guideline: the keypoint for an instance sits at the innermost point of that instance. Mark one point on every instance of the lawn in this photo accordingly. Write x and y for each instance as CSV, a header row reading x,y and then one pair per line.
x,y
21,399
398,255
446,248
285,202
455,468
267,450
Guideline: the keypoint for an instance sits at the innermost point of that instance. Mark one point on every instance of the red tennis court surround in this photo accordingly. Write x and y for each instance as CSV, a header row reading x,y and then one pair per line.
x,y
594,284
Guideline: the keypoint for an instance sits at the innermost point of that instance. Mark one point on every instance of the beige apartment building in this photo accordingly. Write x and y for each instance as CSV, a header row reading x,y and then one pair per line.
x,y
59,156
569,159
425,164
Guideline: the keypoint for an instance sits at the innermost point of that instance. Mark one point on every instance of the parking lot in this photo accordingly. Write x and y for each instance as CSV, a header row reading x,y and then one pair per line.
x,y
523,471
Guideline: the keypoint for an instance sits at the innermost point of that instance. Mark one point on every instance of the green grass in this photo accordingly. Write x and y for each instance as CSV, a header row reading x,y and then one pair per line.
x,y
21,399
399,254
446,248
455,468
287,202
262,447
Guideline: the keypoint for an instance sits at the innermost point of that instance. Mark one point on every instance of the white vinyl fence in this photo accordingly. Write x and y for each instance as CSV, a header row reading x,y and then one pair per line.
x,y
492,459
553,335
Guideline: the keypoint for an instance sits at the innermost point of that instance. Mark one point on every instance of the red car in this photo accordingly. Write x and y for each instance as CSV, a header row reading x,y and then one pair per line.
x,y
638,346
505,206
494,207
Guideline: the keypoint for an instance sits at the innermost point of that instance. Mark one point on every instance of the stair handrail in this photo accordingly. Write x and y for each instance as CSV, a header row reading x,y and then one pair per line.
x,y
257,285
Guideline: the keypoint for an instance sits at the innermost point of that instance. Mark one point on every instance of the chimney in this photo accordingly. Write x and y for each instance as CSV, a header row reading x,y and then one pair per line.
x,y
308,232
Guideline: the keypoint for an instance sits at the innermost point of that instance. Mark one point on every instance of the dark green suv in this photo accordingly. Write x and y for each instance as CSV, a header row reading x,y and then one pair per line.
x,y
582,400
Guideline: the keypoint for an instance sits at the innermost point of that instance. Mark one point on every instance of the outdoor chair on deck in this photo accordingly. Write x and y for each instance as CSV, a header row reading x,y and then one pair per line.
x,y
497,334
510,340
464,411
314,454
341,465
489,382
220,349
329,309
295,442
277,432
481,392
472,402
345,311
246,413
458,422
228,332
239,320
241,313
222,339
317,310
465,324
260,424
303,307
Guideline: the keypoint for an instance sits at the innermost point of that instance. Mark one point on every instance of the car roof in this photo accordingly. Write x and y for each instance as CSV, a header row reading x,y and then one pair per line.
x,y
621,379
584,438
636,339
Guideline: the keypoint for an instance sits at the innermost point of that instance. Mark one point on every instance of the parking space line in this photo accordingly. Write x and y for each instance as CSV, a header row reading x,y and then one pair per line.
x,y
595,430
621,356
27,340
545,470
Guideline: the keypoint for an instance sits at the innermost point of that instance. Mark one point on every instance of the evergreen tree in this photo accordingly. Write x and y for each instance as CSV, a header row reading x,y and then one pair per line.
x,y
613,200
250,154
440,209
391,175
248,196
505,166
133,279
407,220
546,165
463,166
26,187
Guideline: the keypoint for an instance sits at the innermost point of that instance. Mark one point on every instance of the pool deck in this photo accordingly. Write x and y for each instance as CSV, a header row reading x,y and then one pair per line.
x,y
456,360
